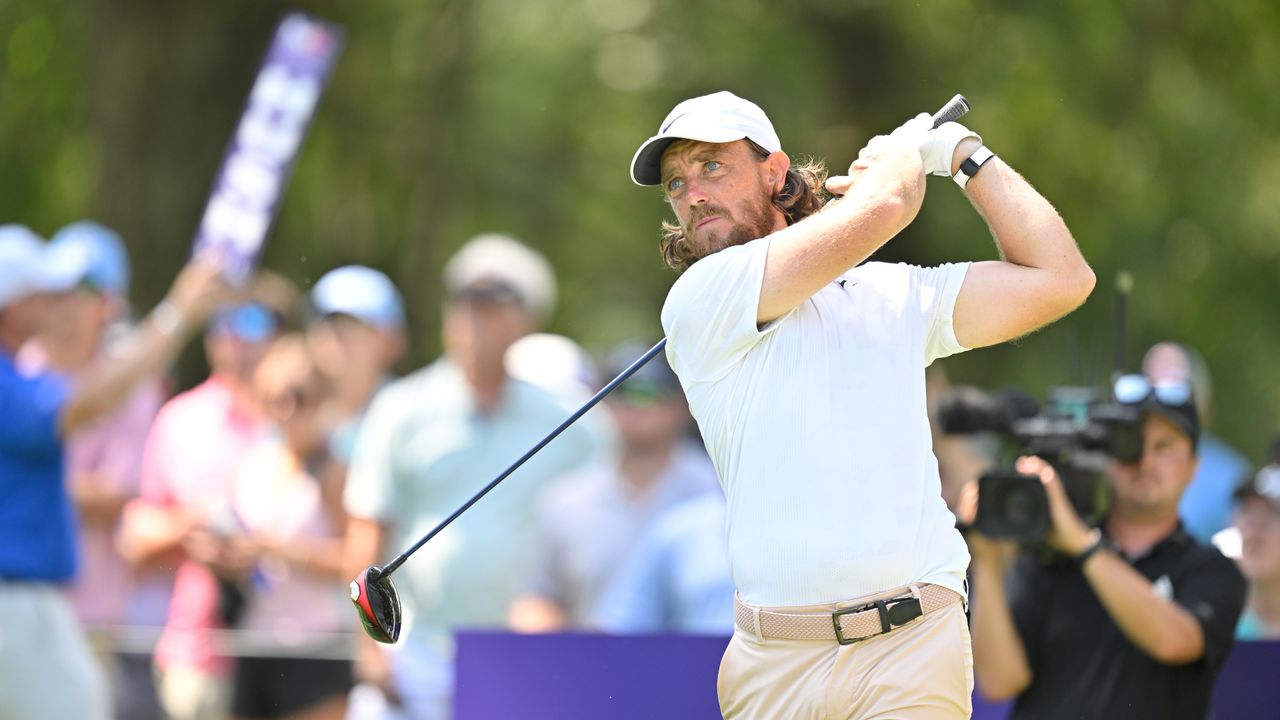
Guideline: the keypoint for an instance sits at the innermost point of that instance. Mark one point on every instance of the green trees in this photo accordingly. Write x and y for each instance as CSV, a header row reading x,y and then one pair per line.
x,y
1151,125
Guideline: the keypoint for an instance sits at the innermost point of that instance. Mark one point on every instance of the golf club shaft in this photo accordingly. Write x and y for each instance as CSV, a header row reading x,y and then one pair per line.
x,y
622,377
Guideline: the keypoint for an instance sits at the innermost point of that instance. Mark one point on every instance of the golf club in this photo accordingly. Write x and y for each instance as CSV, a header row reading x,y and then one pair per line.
x,y
372,592
375,597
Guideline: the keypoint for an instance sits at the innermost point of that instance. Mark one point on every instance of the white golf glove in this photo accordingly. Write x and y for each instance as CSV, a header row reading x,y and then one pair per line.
x,y
938,146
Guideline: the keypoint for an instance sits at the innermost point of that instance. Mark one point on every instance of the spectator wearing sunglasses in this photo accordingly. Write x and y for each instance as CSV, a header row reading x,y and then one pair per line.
x,y
1208,502
182,517
1132,619
286,498
590,520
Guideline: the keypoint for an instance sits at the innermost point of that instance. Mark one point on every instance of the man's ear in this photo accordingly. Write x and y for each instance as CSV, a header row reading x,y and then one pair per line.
x,y
777,164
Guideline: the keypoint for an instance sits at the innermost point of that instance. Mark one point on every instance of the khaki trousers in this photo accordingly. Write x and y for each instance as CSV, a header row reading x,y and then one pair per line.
x,y
920,671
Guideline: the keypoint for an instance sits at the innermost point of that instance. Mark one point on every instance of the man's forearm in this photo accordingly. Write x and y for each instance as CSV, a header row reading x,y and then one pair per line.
x,y
1000,661
809,254
1159,627
149,350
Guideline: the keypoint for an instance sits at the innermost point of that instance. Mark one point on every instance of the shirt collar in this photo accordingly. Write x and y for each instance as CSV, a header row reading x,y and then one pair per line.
x,y
1177,539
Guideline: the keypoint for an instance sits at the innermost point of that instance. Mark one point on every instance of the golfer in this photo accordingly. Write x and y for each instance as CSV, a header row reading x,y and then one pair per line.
x,y
804,367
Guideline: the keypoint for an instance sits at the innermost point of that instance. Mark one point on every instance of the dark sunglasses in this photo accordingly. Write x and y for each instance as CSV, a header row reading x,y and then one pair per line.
x,y
641,393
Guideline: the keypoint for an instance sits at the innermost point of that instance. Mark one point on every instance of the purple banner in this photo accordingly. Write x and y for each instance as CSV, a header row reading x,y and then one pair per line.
x,y
260,156
500,675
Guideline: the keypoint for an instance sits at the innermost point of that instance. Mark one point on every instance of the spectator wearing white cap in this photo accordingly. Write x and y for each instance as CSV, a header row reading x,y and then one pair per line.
x,y
44,660
357,335
103,461
1258,531
434,437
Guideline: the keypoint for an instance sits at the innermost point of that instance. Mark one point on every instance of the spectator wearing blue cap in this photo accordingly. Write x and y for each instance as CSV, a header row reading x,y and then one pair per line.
x,y
103,461
44,659
356,337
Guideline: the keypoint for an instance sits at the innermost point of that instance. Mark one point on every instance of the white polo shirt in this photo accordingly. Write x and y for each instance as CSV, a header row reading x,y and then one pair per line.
x,y
817,425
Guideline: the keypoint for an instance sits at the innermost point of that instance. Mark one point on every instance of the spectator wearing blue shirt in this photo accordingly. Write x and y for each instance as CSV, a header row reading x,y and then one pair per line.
x,y
45,662
677,578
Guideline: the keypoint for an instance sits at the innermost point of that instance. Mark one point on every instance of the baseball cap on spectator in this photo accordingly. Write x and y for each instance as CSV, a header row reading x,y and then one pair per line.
x,y
654,380
29,266
500,267
1174,401
1265,485
716,118
361,292
108,261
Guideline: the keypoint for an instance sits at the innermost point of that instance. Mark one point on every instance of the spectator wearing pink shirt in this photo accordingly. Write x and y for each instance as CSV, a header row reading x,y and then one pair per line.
x,y
288,499
103,460
183,519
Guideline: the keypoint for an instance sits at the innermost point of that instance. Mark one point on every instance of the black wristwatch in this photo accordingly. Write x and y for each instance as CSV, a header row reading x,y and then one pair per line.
x,y
1098,543
972,165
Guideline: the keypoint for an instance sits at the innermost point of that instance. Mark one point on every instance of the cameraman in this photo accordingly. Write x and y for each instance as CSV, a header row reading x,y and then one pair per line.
x,y
1135,618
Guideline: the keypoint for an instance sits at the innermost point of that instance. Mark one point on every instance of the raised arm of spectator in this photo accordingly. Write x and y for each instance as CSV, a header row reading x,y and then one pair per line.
x,y
151,348
1041,276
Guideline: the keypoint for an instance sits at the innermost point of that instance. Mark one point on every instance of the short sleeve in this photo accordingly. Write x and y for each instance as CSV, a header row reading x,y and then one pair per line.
x,y
710,314
31,408
1214,593
369,491
936,290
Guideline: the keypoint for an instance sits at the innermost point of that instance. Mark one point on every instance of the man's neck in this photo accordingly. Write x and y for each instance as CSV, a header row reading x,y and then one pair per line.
x,y
10,341
1264,600
487,389
1135,536
354,394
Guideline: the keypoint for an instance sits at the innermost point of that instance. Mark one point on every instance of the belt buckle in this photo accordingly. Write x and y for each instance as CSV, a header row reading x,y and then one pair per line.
x,y
894,612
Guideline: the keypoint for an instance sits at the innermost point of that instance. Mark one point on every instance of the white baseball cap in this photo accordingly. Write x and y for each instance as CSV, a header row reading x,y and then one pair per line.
x,y
361,292
500,262
716,118
29,266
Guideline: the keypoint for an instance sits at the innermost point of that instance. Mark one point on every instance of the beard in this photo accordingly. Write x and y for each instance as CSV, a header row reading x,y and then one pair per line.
x,y
756,221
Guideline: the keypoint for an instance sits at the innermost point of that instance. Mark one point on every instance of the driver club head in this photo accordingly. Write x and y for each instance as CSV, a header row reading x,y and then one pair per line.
x,y
378,604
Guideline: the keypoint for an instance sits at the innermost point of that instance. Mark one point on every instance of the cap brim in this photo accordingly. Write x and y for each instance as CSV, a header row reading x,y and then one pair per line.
x,y
61,269
646,165
1179,418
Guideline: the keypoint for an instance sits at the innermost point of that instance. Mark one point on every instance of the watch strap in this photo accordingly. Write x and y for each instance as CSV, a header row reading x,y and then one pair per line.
x,y
972,165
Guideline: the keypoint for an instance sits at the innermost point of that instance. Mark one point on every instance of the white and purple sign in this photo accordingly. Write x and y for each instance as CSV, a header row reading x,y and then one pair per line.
x,y
256,168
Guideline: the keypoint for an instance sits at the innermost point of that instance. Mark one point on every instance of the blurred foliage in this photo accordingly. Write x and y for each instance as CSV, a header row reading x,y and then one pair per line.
x,y
1150,124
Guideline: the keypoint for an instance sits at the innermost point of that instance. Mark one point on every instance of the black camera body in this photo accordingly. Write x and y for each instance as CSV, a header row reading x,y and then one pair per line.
x,y
1076,432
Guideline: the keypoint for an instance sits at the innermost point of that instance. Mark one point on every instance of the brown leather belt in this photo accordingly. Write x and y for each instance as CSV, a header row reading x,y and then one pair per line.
x,y
859,621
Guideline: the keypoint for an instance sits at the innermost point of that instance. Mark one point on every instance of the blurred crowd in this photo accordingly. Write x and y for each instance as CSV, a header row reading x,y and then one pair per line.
x,y
187,555
194,549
